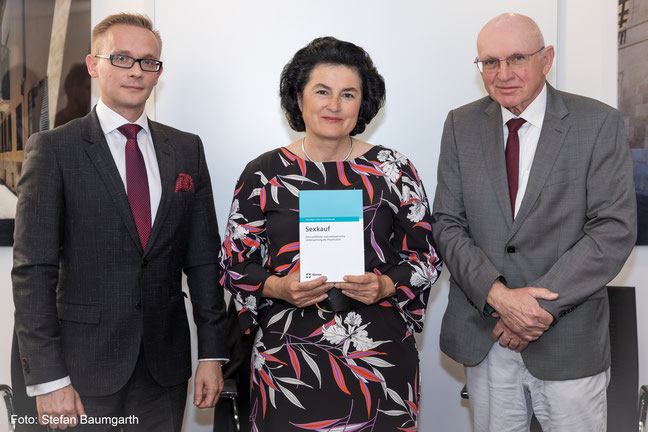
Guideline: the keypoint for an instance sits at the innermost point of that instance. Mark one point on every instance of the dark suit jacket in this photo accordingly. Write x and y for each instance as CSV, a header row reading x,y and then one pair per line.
x,y
574,230
86,295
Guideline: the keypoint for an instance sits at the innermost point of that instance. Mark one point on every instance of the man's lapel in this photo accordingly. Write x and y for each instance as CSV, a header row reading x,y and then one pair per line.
x,y
552,136
492,140
166,163
100,156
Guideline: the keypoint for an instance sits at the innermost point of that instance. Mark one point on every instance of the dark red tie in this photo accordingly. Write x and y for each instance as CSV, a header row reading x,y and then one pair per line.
x,y
513,158
137,183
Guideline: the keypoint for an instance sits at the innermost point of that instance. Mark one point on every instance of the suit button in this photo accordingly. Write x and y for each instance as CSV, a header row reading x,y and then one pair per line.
x,y
138,306
510,249
144,263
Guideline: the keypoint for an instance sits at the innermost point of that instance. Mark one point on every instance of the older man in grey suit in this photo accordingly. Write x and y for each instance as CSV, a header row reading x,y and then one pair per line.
x,y
534,213
112,208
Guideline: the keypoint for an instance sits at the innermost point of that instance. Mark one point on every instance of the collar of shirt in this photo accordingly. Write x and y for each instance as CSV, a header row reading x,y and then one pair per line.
x,y
529,135
533,114
110,120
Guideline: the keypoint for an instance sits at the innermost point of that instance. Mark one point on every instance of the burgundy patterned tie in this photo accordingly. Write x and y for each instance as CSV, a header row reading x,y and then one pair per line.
x,y
137,183
513,158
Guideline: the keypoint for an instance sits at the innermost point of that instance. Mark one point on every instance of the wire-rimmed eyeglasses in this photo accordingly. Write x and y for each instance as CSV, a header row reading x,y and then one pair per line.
x,y
127,62
514,61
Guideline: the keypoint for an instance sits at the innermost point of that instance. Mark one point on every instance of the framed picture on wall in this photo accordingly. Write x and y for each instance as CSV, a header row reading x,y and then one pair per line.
x,y
43,82
633,97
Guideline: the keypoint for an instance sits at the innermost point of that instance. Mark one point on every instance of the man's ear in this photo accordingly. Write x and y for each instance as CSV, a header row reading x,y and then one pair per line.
x,y
91,63
547,59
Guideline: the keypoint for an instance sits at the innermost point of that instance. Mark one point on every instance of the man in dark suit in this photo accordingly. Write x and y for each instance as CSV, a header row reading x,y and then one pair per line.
x,y
534,213
112,209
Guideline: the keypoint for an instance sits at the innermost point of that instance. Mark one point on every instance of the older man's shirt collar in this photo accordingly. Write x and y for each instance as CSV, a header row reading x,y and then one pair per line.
x,y
533,114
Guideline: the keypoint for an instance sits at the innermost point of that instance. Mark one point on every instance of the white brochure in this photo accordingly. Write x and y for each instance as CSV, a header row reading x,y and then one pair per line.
x,y
331,240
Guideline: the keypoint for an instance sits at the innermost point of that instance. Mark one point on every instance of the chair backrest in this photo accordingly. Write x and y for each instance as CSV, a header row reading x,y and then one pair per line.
x,y
7,395
643,408
622,391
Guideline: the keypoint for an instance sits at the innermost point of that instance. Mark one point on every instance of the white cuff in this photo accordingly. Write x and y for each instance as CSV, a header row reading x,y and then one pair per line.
x,y
47,387
222,360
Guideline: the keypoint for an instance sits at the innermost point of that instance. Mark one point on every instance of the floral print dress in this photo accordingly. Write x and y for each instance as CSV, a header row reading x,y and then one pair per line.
x,y
318,371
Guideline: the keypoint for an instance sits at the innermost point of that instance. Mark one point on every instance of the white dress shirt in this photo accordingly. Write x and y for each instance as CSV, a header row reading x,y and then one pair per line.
x,y
110,121
529,134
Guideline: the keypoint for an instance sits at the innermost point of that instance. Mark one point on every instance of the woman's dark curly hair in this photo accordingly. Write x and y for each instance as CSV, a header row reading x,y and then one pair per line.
x,y
329,50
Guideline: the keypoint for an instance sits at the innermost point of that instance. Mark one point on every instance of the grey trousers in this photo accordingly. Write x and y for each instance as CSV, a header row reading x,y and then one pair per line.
x,y
504,395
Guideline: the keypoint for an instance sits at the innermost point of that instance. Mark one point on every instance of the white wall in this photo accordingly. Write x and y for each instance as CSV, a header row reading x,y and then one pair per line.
x,y
587,54
223,85
221,77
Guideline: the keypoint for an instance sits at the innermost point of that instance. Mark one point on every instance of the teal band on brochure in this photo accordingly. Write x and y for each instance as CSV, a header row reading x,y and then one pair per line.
x,y
330,219
330,205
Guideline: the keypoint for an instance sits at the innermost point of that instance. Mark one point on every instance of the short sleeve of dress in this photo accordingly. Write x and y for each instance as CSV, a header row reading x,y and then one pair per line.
x,y
420,265
244,253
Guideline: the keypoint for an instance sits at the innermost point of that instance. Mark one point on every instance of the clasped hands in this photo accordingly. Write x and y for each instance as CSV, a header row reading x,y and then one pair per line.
x,y
367,288
521,318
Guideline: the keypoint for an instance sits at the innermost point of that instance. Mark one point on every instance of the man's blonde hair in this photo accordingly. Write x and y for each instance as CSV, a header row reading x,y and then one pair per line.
x,y
137,20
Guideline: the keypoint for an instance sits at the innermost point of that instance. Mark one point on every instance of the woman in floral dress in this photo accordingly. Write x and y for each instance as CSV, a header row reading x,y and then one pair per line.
x,y
315,367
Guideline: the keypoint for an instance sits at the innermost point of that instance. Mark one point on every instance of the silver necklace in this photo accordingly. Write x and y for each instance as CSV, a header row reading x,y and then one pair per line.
x,y
343,160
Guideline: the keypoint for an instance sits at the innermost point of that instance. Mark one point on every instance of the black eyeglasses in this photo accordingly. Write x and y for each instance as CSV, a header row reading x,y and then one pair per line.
x,y
127,62
516,61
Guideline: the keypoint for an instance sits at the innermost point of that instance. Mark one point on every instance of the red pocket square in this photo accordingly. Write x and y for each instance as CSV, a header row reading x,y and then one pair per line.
x,y
184,183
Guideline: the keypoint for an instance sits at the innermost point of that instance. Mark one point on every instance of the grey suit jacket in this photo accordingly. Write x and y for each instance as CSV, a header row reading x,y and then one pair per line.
x,y
87,296
573,232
